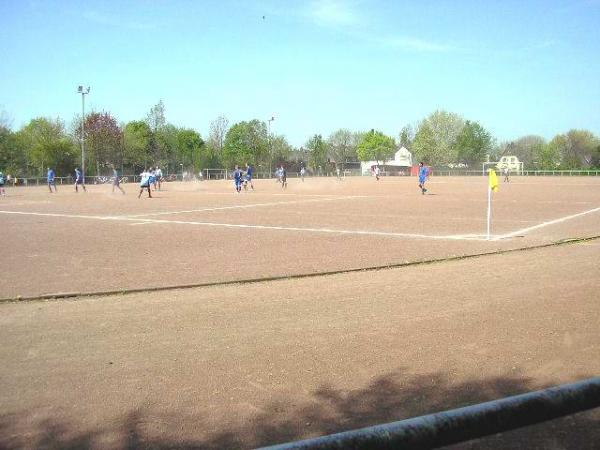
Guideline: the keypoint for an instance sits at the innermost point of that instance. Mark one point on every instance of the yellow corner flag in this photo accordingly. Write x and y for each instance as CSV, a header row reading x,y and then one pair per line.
x,y
493,180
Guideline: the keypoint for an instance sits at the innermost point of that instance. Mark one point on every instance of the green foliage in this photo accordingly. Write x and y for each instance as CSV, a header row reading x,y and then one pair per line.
x,y
547,156
280,149
12,155
406,137
166,140
473,143
137,144
246,142
435,139
46,144
317,148
526,148
581,149
189,148
342,146
376,146
103,142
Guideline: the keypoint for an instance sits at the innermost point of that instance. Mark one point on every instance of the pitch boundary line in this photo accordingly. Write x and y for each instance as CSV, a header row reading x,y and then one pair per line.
x,y
253,205
139,220
70,295
544,224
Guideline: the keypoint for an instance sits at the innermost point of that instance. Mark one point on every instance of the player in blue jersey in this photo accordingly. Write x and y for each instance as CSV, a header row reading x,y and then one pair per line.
x,y
423,175
51,180
283,177
79,180
249,173
2,181
237,179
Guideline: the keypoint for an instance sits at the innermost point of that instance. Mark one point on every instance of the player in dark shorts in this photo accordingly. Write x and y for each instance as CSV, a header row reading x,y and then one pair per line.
x,y
237,179
249,173
423,175
145,183
283,177
79,180
51,180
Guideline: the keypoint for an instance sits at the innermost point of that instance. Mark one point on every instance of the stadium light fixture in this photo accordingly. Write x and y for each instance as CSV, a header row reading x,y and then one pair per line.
x,y
270,144
83,91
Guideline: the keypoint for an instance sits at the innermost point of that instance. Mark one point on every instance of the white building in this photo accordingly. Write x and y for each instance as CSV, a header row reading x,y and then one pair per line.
x,y
400,165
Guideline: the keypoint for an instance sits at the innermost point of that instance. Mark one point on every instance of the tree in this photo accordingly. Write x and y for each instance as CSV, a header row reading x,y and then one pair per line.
x,y
246,142
473,143
376,146
582,148
137,144
189,147
218,131
342,146
103,141
280,149
317,148
435,139
547,156
166,139
156,122
13,159
576,149
47,145
526,148
406,137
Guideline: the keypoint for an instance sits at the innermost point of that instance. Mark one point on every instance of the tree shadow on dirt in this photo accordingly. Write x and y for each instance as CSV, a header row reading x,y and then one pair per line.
x,y
388,398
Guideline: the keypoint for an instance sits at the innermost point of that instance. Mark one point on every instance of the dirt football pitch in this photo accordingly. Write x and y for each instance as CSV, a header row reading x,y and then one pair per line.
x,y
202,318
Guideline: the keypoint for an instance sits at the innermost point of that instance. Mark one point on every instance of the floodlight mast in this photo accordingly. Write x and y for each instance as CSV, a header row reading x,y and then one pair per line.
x,y
270,146
83,91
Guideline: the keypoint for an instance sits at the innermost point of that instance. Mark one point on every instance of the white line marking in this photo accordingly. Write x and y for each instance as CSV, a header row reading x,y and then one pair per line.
x,y
140,223
470,237
545,224
253,205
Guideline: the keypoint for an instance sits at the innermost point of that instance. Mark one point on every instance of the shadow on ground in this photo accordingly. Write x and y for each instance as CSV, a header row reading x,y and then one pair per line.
x,y
388,398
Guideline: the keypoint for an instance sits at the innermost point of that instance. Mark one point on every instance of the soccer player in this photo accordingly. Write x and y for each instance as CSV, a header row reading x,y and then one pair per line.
x,y
51,180
506,173
2,181
283,177
249,173
237,179
302,172
376,173
116,181
78,180
145,183
152,174
423,174
158,174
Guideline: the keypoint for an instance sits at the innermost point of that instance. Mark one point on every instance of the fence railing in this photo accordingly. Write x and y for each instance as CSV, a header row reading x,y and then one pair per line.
x,y
463,424
224,174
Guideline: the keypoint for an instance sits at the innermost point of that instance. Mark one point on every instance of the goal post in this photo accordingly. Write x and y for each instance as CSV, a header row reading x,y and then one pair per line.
x,y
515,167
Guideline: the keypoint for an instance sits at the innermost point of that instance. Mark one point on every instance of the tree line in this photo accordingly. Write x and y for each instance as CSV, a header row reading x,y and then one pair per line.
x,y
441,139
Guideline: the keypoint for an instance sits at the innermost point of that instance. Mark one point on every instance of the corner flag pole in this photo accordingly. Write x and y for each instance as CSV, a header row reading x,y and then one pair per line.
x,y
489,212
492,186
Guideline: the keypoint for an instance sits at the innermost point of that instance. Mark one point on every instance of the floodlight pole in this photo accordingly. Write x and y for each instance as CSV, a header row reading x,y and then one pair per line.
x,y
270,146
83,91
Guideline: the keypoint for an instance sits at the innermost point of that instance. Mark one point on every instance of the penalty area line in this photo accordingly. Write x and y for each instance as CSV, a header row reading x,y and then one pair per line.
x,y
253,205
140,220
523,231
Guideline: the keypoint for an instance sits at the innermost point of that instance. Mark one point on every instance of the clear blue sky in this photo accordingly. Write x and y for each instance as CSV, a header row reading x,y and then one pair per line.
x,y
530,67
